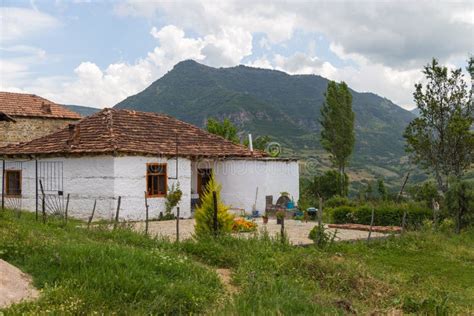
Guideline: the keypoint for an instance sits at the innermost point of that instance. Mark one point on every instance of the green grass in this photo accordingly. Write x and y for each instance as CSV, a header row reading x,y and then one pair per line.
x,y
84,271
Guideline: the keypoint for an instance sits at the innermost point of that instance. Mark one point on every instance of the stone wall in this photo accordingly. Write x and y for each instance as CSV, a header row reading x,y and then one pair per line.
x,y
25,129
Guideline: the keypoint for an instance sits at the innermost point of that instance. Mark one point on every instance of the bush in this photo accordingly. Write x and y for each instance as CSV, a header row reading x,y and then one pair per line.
x,y
386,214
342,215
205,212
336,201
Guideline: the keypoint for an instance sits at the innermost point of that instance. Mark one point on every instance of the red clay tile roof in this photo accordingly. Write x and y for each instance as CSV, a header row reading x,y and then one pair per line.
x,y
30,105
130,132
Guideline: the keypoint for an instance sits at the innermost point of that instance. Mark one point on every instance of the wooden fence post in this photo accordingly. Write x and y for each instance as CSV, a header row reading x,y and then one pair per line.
x,y
371,224
118,212
282,229
146,214
92,215
177,224
214,198
43,202
67,208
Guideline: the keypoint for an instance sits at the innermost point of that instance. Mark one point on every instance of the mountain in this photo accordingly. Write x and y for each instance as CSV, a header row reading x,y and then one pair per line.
x,y
416,111
286,107
82,110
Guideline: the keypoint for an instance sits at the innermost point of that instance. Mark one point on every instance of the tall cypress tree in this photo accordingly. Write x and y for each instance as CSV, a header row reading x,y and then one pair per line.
x,y
337,135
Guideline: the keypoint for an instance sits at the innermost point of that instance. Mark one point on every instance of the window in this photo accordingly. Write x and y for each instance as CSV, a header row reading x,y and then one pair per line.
x,y
13,182
156,179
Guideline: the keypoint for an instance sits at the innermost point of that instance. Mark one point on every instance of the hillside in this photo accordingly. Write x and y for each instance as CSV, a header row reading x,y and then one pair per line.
x,y
82,110
287,107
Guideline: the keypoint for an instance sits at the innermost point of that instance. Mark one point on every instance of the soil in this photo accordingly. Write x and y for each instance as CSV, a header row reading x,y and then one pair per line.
x,y
15,286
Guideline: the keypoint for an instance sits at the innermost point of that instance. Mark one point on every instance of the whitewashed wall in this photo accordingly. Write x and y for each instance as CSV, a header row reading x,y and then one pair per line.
x,y
85,179
105,178
241,178
130,184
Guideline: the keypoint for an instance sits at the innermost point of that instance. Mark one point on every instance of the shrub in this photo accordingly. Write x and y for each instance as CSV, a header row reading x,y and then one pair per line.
x,y
386,214
342,215
321,236
337,201
205,212
173,198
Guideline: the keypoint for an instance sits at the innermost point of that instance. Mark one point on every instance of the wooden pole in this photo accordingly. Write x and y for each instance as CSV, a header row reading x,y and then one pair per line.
x,y
282,229
371,224
177,224
117,214
43,202
146,214
403,186
67,208
92,215
214,198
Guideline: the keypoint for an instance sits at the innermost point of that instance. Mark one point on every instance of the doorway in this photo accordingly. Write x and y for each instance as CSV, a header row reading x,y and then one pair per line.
x,y
203,177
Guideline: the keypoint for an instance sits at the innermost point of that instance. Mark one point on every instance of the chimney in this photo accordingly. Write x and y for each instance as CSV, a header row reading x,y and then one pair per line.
x,y
46,108
250,143
74,134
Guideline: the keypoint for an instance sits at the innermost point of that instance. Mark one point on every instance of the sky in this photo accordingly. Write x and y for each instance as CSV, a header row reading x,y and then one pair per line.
x,y
96,53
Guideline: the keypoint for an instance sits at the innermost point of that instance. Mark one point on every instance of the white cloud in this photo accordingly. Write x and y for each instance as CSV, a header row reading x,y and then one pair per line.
x,y
98,87
18,23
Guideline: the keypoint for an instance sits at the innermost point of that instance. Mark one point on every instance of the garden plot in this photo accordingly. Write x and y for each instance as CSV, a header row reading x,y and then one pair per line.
x,y
297,231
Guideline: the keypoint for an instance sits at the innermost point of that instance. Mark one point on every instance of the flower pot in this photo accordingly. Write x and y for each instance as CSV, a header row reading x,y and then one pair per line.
x,y
265,219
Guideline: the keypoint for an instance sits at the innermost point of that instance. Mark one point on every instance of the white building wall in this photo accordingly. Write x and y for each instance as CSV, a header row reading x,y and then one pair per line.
x,y
85,179
130,184
241,178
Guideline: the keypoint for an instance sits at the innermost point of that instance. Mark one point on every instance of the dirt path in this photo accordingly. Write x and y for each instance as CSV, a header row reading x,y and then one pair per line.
x,y
15,286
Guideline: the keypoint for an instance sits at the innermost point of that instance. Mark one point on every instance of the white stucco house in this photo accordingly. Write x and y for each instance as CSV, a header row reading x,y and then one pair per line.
x,y
130,154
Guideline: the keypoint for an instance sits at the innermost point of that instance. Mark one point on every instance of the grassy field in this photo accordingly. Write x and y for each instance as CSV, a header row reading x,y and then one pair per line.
x,y
82,271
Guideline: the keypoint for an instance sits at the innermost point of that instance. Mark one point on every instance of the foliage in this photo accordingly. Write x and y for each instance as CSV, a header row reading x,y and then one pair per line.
x,y
100,271
205,212
381,189
386,214
280,214
327,185
321,236
173,198
225,129
260,142
336,201
242,225
425,192
440,139
460,203
337,120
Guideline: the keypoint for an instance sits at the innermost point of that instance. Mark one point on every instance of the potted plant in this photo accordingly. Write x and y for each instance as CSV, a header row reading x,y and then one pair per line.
x,y
265,218
280,215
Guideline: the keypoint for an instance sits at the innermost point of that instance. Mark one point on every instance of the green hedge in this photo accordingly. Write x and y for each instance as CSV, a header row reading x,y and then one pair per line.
x,y
387,214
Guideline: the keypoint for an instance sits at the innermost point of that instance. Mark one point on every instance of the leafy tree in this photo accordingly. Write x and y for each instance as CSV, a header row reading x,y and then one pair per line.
x,y
426,192
337,135
205,212
327,185
381,189
259,142
440,139
225,129
460,203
